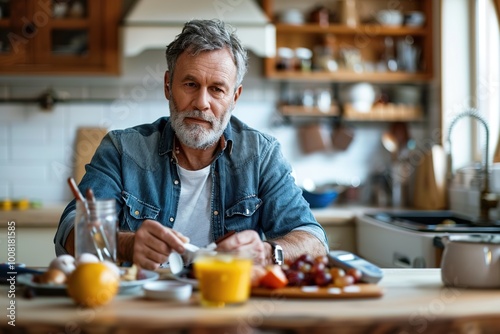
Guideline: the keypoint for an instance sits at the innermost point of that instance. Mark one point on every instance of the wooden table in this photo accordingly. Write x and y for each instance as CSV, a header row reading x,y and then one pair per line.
x,y
414,301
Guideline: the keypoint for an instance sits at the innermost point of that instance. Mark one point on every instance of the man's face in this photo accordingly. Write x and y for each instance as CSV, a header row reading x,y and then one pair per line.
x,y
202,96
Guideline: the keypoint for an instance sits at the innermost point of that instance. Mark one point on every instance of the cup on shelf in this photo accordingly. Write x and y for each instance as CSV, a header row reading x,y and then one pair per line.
x,y
414,19
390,17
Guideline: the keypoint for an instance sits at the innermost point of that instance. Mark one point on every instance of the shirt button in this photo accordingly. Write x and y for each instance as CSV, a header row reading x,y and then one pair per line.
x,y
216,213
176,182
136,212
171,219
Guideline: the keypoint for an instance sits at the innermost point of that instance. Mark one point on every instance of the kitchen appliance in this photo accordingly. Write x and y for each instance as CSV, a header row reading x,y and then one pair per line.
x,y
411,238
150,24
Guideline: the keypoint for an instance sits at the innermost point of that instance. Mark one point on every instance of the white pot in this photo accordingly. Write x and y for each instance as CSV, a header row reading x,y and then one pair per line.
x,y
471,261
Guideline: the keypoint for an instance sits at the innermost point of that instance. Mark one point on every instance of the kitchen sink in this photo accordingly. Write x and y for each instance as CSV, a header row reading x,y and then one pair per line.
x,y
435,221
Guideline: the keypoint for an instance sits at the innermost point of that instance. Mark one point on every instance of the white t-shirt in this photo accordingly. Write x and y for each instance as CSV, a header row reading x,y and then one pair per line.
x,y
193,214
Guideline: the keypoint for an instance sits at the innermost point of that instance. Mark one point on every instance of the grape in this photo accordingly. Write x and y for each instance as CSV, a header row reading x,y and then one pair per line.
x,y
307,258
337,272
295,278
322,259
355,273
309,270
297,264
323,278
318,266
342,281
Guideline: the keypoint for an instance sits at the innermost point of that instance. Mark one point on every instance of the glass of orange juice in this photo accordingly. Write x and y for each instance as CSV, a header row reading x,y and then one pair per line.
x,y
223,277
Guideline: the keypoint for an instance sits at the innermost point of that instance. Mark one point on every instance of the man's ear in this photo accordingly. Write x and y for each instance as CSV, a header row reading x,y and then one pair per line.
x,y
237,94
166,85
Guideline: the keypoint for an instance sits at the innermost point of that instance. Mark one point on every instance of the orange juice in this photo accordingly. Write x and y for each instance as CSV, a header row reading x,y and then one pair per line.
x,y
223,278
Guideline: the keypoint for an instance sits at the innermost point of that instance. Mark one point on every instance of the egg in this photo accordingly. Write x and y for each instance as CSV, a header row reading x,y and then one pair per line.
x,y
64,263
86,258
113,267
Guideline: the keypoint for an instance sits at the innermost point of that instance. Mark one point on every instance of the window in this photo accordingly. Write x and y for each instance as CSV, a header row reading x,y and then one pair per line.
x,y
487,70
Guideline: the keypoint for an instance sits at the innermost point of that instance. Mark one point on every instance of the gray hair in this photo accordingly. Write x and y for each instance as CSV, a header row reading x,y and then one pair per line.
x,y
208,35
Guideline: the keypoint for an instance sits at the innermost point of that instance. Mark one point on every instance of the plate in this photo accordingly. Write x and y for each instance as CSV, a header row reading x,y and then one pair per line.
x,y
60,290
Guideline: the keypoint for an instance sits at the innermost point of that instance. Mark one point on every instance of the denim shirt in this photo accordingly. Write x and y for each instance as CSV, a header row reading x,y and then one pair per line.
x,y
252,185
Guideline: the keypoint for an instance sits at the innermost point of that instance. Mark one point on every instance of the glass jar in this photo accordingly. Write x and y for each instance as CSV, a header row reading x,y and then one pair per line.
x,y
96,229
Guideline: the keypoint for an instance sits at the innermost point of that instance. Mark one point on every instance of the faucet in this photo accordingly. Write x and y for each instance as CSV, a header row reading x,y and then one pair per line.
x,y
488,200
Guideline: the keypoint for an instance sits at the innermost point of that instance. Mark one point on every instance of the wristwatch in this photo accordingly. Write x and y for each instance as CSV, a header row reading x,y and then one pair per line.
x,y
278,255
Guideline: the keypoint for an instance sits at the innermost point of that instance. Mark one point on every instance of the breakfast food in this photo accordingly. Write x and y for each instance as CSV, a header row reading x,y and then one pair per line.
x,y
305,271
92,284
64,263
86,258
51,276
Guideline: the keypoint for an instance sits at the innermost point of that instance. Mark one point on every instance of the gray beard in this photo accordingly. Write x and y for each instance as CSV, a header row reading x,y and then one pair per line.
x,y
196,136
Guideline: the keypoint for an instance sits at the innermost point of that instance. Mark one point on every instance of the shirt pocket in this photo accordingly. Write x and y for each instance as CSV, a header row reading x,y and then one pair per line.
x,y
242,215
136,211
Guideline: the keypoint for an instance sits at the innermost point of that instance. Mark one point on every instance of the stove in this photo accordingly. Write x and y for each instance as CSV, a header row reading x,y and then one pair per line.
x,y
406,239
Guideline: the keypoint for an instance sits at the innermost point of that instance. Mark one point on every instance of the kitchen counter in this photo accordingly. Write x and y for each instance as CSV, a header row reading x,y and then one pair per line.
x,y
414,301
49,215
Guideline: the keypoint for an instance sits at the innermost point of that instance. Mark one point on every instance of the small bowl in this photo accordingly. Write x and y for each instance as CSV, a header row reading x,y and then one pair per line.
x,y
167,290
319,199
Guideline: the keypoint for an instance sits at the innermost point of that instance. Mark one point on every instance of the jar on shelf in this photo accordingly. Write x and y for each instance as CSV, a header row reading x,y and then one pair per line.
x,y
304,59
285,59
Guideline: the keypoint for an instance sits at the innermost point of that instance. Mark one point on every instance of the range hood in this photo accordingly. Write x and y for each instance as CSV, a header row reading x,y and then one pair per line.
x,y
152,24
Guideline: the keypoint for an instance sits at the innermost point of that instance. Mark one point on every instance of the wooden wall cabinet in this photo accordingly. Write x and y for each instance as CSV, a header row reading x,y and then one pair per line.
x,y
59,37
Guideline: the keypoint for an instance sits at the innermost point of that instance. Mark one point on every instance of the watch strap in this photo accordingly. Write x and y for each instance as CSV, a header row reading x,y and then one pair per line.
x,y
277,253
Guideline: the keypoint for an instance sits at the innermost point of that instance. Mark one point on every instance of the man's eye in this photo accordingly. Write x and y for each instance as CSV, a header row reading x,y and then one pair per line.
x,y
217,90
190,84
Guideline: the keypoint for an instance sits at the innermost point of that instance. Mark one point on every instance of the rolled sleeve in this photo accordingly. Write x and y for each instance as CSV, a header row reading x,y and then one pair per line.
x,y
62,233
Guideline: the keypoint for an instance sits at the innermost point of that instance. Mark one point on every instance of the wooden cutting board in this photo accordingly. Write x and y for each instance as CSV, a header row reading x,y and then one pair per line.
x,y
314,292
87,140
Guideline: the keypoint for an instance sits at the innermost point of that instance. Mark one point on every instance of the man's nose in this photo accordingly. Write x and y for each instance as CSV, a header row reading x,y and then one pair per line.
x,y
202,100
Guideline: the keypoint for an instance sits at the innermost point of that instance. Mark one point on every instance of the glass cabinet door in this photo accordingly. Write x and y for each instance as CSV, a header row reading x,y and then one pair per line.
x,y
71,36
15,32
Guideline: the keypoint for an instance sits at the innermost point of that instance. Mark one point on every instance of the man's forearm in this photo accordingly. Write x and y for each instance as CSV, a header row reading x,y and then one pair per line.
x,y
69,244
296,243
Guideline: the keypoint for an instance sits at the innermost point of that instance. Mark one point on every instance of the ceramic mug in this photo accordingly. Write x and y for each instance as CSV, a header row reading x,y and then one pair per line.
x,y
471,261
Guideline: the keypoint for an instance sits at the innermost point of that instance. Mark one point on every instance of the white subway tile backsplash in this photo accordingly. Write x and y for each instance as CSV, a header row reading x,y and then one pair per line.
x,y
36,153
26,133
4,190
43,191
10,112
85,114
4,134
4,152
22,172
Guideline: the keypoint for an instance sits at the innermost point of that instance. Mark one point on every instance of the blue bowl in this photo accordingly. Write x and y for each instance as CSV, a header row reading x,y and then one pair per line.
x,y
320,199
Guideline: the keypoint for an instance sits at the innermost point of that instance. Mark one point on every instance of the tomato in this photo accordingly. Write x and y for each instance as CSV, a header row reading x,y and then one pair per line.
x,y
274,278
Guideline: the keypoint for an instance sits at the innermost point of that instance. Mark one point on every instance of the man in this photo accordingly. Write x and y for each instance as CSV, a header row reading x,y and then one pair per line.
x,y
201,172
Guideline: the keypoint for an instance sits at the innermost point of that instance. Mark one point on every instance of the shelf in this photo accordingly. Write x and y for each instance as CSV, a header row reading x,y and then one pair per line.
x,y
301,111
348,76
388,112
367,29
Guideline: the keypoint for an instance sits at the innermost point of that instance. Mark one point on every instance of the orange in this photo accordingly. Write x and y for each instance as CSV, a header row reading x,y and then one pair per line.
x,y
92,284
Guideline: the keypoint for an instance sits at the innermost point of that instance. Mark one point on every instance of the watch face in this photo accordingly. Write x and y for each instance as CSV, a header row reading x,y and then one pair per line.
x,y
278,254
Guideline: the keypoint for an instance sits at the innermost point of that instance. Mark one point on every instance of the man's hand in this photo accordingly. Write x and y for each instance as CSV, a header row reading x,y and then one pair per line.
x,y
153,242
294,244
246,241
